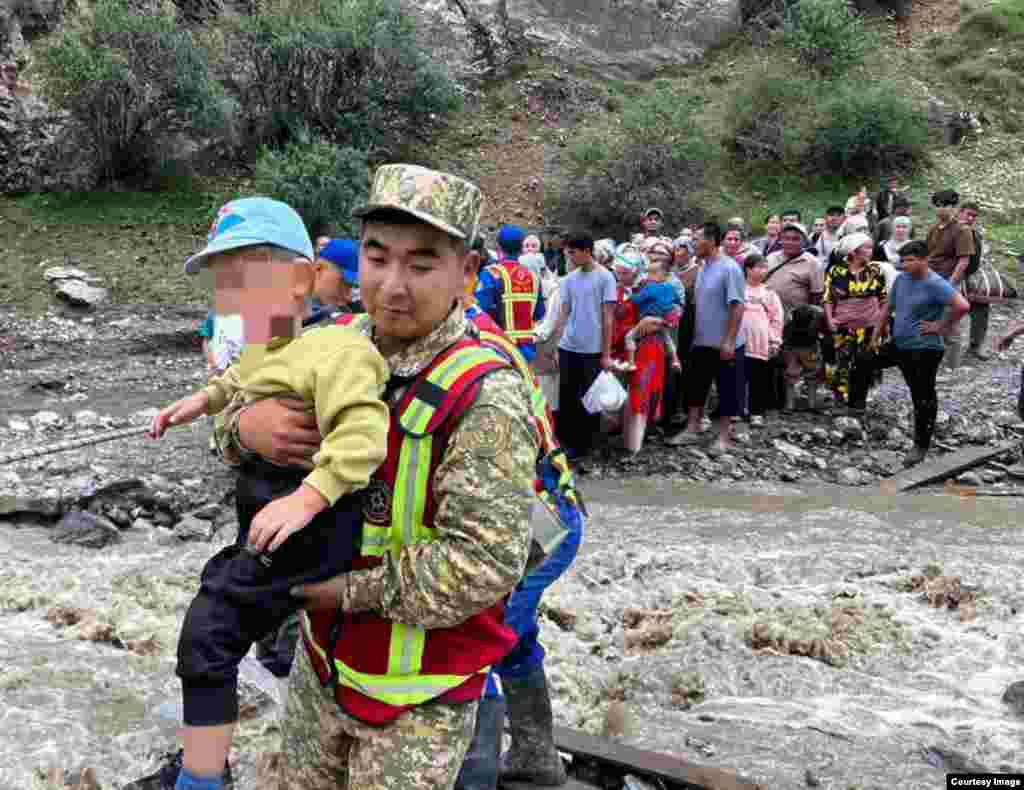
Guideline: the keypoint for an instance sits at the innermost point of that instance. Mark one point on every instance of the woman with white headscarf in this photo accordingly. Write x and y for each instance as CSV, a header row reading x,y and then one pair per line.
x,y
646,384
855,295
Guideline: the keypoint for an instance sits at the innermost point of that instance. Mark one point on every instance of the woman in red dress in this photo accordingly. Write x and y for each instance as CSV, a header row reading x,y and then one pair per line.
x,y
647,383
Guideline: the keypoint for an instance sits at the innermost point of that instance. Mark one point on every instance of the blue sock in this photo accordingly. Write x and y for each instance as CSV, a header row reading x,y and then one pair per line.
x,y
189,781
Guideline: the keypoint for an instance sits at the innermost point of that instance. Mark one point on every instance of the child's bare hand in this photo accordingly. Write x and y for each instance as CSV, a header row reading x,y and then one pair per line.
x,y
1004,343
283,517
179,413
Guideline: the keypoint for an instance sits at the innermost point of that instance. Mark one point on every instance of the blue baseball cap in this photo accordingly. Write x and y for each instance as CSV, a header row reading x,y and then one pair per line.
x,y
344,254
251,222
510,239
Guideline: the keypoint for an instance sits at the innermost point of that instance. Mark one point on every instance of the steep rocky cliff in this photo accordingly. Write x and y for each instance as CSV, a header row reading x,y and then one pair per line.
x,y
23,20
617,38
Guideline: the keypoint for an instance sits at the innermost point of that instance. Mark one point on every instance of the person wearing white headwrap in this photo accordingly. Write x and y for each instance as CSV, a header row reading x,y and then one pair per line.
x,y
855,294
547,334
604,251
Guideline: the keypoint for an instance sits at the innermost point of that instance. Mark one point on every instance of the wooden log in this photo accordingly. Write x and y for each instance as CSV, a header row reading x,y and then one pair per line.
x,y
942,469
646,764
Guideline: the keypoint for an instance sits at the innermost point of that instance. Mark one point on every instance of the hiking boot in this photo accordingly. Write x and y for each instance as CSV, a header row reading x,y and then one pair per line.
x,y
532,757
166,776
914,457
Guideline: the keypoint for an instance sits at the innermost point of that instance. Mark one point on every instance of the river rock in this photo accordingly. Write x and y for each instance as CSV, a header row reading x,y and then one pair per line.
x,y
208,512
970,479
850,477
887,462
81,528
82,294
47,503
849,427
791,451
18,425
191,528
86,418
1014,697
46,419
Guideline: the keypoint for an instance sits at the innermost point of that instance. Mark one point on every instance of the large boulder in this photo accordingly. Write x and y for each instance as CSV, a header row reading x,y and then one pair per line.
x,y
40,148
616,38
23,20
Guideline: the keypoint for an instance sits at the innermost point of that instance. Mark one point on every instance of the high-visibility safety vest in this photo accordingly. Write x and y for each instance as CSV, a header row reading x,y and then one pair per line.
x,y
520,290
555,484
380,668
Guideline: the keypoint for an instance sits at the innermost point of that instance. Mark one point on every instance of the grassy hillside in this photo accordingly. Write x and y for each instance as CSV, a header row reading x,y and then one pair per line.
x,y
137,241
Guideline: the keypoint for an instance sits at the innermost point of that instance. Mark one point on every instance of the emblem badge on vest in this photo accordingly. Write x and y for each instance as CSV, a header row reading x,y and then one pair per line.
x,y
377,503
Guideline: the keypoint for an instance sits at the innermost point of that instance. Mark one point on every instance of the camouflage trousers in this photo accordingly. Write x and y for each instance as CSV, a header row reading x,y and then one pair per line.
x,y
323,749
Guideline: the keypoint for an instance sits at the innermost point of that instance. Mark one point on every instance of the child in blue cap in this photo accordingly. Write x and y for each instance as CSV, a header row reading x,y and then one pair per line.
x,y
337,275
295,526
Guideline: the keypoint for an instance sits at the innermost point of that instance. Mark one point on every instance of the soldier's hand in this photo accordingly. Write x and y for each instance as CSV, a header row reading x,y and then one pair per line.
x,y
282,430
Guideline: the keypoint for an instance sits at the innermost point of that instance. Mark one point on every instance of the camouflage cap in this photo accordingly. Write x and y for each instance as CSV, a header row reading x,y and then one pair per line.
x,y
447,202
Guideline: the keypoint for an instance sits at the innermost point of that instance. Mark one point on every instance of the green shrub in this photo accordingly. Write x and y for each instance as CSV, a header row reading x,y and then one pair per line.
x,y
351,71
612,197
868,129
663,117
127,79
770,118
321,181
842,127
827,35
588,155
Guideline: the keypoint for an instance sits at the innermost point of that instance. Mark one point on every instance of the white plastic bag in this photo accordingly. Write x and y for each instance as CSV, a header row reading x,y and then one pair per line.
x,y
605,394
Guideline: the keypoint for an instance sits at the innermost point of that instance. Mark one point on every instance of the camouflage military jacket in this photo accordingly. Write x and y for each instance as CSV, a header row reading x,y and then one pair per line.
x,y
484,492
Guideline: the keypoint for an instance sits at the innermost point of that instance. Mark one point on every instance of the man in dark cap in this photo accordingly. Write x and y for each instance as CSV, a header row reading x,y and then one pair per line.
x,y
950,247
651,222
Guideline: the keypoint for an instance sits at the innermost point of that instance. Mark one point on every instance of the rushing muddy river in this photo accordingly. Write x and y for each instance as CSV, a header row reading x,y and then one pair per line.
x,y
781,633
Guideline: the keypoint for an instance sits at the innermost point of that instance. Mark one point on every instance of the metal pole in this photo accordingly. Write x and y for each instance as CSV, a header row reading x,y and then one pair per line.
x,y
71,444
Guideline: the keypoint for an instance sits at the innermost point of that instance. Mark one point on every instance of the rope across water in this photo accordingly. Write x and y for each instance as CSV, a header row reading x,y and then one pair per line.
x,y
71,444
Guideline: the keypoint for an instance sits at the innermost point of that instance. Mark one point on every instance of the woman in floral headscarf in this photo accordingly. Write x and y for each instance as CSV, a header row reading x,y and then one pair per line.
x,y
854,300
646,384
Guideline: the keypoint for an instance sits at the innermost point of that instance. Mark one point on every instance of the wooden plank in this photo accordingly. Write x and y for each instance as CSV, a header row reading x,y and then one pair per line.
x,y
572,784
944,468
643,763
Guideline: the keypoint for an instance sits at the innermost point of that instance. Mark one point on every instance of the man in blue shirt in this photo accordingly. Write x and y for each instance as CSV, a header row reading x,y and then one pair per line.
x,y
925,308
718,344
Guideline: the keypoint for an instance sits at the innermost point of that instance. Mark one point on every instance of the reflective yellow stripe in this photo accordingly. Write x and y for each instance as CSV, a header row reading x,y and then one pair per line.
x,y
418,414
538,403
510,298
405,653
391,689
410,496
375,540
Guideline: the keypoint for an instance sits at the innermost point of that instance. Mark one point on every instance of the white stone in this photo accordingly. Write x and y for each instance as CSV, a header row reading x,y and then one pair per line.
x,y
46,419
86,418
18,425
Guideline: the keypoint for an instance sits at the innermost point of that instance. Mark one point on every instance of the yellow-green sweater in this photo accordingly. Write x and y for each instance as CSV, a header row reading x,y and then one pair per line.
x,y
341,376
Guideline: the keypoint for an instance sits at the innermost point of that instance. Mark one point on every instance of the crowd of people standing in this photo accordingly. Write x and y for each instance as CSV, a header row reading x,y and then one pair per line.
x,y
793,316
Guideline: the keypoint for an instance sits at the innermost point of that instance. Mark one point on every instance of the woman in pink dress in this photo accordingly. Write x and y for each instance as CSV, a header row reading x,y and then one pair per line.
x,y
762,327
